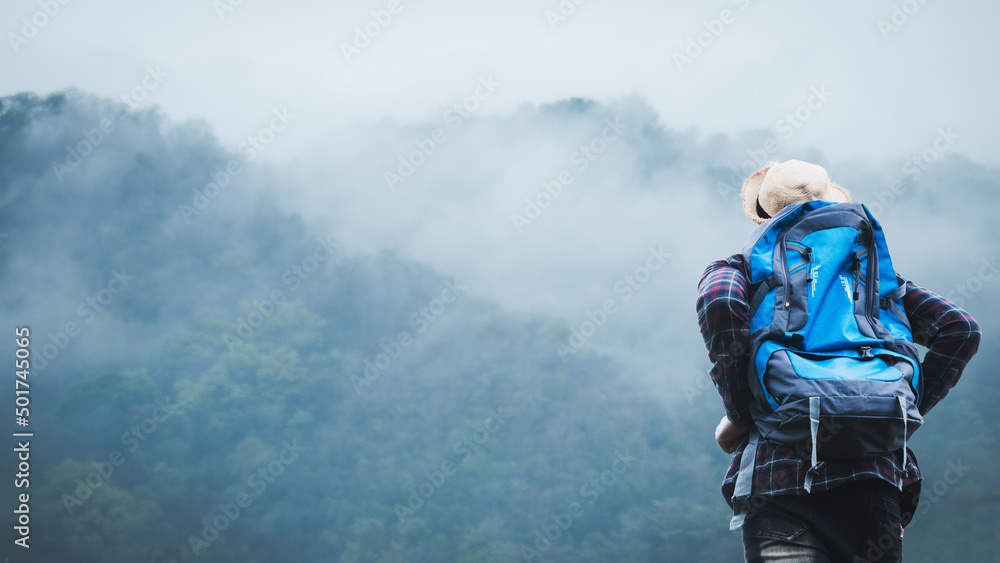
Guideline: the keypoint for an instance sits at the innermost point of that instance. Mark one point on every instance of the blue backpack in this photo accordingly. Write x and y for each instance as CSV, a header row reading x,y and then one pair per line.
x,y
833,369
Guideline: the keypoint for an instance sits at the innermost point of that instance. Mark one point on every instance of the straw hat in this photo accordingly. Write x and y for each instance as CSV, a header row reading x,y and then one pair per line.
x,y
771,188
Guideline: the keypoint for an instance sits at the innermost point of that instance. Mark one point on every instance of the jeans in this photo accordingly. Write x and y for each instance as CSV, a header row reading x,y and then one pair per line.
x,y
858,522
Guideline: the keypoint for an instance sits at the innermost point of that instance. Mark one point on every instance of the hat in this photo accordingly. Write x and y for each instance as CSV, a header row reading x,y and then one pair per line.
x,y
768,190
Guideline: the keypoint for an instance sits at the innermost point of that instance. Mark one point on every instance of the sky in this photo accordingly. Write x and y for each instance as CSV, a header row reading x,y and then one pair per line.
x,y
893,72
329,95
576,160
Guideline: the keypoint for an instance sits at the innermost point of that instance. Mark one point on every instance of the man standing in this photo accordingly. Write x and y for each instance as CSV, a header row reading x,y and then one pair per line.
x,y
840,509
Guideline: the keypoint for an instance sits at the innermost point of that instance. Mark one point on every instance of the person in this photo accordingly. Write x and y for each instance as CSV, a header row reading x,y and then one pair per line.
x,y
856,509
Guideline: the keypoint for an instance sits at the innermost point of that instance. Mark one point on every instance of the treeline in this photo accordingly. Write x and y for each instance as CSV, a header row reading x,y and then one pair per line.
x,y
258,393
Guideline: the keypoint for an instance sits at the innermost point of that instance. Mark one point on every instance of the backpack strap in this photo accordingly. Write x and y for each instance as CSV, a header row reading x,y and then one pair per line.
x,y
814,433
744,480
889,302
906,462
758,297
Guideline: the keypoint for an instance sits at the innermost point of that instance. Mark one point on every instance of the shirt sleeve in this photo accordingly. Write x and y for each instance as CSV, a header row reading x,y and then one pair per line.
x,y
724,319
951,336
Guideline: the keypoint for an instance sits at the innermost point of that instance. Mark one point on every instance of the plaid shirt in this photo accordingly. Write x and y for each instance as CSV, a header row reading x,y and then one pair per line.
x,y
950,334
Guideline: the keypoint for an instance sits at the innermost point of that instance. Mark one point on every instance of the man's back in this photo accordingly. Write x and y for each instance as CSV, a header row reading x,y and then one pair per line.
x,y
780,473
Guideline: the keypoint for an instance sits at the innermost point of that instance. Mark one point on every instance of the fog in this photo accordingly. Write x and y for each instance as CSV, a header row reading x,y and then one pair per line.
x,y
384,229
898,70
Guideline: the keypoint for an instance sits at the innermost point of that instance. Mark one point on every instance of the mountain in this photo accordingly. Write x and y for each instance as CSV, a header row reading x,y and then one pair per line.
x,y
221,373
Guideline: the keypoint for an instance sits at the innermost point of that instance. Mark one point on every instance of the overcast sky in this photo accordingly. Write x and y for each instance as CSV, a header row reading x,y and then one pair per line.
x,y
355,84
888,87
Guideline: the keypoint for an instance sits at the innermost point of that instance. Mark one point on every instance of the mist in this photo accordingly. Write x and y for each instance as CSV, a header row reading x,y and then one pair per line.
x,y
404,314
297,296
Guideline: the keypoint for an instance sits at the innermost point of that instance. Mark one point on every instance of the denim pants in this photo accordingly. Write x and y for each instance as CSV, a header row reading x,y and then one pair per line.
x,y
853,523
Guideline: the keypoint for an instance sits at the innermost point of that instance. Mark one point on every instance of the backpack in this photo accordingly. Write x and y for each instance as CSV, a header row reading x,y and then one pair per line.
x,y
833,369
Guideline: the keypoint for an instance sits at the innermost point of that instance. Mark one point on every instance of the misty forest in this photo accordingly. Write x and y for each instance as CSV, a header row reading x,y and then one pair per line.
x,y
225,369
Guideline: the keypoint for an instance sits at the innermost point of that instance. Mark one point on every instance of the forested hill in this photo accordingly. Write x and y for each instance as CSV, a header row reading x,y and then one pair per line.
x,y
218,379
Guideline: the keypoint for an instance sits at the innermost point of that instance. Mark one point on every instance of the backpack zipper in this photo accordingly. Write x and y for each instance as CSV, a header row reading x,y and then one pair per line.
x,y
786,276
871,299
856,277
809,266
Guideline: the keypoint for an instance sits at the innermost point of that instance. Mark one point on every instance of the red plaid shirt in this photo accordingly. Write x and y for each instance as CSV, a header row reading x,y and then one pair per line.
x,y
950,334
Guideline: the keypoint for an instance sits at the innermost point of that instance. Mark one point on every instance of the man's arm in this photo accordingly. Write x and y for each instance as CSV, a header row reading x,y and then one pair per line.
x,y
728,434
951,336
723,316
